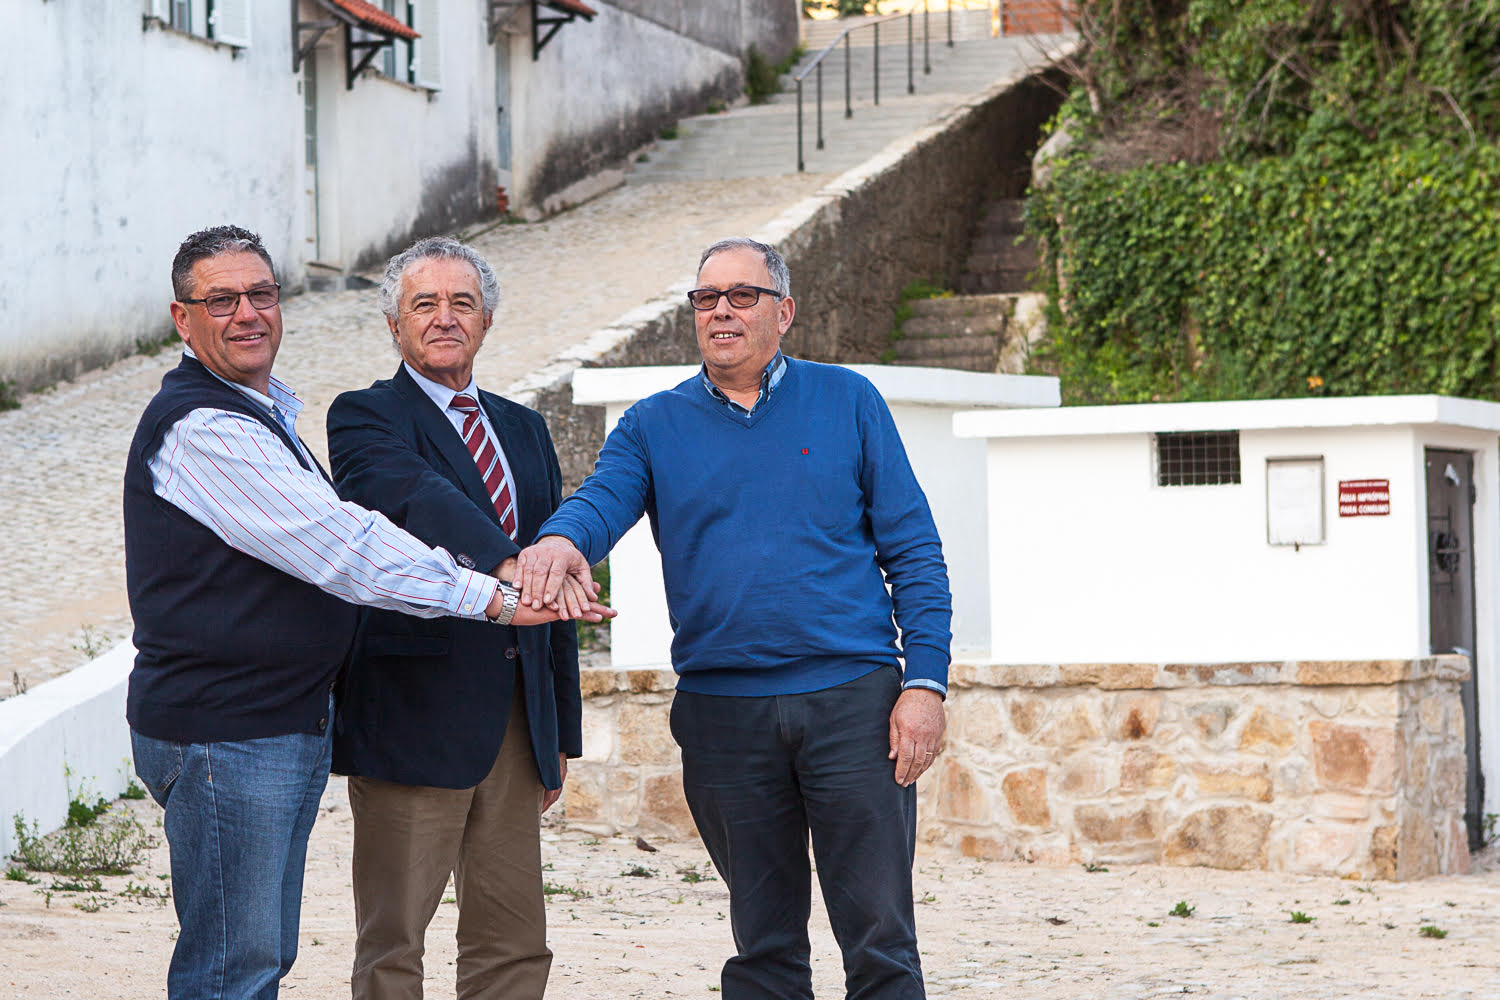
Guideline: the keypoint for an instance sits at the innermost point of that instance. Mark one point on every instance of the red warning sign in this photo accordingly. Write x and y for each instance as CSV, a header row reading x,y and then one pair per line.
x,y
1364,497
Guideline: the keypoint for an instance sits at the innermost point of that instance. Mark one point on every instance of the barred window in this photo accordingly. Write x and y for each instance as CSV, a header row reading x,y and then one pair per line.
x,y
1197,458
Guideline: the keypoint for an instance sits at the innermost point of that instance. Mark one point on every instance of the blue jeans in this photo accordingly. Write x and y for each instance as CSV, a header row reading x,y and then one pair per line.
x,y
759,775
238,818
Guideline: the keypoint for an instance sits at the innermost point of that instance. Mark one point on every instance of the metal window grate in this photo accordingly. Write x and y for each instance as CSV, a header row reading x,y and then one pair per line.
x,y
1197,458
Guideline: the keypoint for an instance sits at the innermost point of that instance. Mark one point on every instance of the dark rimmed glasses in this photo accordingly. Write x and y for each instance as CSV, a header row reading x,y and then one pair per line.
x,y
740,296
228,303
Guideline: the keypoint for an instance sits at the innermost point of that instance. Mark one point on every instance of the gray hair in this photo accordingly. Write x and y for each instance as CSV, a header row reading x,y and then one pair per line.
x,y
436,248
211,242
781,278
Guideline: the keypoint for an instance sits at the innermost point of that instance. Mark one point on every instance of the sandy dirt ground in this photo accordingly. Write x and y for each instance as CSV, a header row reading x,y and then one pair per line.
x,y
627,923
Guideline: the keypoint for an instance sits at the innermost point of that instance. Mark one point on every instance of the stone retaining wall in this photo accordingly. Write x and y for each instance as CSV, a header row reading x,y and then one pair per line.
x,y
1341,768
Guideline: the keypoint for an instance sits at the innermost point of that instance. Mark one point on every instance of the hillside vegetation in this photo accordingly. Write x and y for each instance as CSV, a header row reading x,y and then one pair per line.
x,y
1266,198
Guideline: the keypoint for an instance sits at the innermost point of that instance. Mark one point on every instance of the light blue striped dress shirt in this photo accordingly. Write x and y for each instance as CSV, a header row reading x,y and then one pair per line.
x,y
233,475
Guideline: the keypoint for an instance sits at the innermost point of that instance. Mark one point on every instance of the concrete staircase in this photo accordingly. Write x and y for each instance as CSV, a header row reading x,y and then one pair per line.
x,y
994,323
1001,256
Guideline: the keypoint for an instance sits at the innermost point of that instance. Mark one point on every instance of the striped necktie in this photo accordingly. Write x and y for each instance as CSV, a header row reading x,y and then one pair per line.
x,y
488,460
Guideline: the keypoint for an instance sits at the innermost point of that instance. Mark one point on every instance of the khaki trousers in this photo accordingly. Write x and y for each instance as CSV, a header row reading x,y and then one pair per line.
x,y
409,838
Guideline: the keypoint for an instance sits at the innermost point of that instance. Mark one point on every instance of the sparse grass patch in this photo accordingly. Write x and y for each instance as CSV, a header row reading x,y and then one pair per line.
x,y
668,133
638,871
1298,917
111,846
15,873
1432,931
1182,909
574,891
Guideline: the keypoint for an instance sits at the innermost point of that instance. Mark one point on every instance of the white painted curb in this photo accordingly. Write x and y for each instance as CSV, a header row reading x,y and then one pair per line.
x,y
61,736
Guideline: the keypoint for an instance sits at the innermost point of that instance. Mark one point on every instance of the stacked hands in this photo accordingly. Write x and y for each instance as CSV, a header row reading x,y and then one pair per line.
x,y
557,583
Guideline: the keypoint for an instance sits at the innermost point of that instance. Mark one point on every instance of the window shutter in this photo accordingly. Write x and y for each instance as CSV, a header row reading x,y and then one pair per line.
x,y
231,22
427,51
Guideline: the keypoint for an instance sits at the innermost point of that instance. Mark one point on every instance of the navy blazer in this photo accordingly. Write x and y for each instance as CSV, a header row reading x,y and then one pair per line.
x,y
425,700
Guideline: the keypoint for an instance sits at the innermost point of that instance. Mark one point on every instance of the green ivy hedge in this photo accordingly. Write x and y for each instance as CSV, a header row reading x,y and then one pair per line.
x,y
1306,275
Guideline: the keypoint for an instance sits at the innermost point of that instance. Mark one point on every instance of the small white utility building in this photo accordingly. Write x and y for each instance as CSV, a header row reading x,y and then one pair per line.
x,y
1276,530
923,402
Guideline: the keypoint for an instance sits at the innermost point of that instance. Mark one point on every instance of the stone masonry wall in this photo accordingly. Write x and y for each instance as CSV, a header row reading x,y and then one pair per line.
x,y
1340,768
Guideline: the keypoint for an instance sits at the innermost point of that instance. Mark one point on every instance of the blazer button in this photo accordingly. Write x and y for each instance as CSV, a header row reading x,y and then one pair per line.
x,y
510,654
322,725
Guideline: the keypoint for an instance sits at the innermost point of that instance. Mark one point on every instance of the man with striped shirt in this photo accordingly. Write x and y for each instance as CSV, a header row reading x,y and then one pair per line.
x,y
243,570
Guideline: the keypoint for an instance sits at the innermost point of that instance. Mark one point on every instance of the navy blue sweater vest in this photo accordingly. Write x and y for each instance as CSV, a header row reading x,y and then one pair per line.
x,y
227,647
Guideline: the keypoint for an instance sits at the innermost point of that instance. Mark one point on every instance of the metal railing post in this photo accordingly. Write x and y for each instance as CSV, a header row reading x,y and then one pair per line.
x,y
876,26
848,107
800,165
950,24
926,35
911,79
820,105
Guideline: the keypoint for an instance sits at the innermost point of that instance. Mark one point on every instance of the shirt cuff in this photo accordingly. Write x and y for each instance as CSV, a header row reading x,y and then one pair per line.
x,y
927,684
475,590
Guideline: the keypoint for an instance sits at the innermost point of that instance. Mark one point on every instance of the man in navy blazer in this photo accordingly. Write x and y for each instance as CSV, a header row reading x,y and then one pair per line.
x,y
455,734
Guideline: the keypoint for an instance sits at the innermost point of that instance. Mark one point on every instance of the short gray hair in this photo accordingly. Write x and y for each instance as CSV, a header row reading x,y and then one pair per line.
x,y
781,278
212,242
436,248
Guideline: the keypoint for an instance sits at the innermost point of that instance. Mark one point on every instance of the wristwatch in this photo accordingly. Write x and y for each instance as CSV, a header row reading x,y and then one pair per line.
x,y
510,600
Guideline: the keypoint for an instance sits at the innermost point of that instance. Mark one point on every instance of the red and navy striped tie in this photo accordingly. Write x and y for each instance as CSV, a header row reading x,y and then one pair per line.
x,y
488,460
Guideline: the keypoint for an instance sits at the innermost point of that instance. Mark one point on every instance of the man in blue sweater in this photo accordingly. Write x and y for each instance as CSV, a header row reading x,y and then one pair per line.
x,y
783,504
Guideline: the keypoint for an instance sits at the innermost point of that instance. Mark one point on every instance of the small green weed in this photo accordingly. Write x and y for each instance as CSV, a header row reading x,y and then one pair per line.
x,y
1298,917
145,892
693,876
93,903
10,399
15,873
574,891
88,883
716,107
93,642
82,812
1341,902
1182,909
668,133
1093,868
1432,931
638,871
1153,923
134,791
762,81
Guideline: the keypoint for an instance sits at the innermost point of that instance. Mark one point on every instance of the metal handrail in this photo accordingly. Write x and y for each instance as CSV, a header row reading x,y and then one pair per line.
x,y
817,64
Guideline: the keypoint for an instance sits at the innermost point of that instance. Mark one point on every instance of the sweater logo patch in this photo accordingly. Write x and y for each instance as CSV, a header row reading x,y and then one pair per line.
x,y
804,451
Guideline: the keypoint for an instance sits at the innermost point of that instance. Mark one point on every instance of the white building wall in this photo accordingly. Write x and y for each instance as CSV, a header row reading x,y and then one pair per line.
x,y
396,163
120,141
600,89
1091,561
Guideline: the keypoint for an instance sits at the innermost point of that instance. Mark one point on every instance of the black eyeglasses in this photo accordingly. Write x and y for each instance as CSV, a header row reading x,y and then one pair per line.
x,y
740,296
228,303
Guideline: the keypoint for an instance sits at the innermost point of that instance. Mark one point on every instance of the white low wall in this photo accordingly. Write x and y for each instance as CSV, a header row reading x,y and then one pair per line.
x,y
61,736
923,402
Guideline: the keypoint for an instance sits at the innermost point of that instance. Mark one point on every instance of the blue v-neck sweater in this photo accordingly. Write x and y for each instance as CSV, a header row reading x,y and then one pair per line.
x,y
774,530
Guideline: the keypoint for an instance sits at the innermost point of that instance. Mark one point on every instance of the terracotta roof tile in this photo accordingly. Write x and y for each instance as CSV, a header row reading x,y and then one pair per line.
x,y
572,7
372,17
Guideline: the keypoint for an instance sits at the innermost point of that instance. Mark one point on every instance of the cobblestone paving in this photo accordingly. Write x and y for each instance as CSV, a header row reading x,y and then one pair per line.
x,y
62,570
626,923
